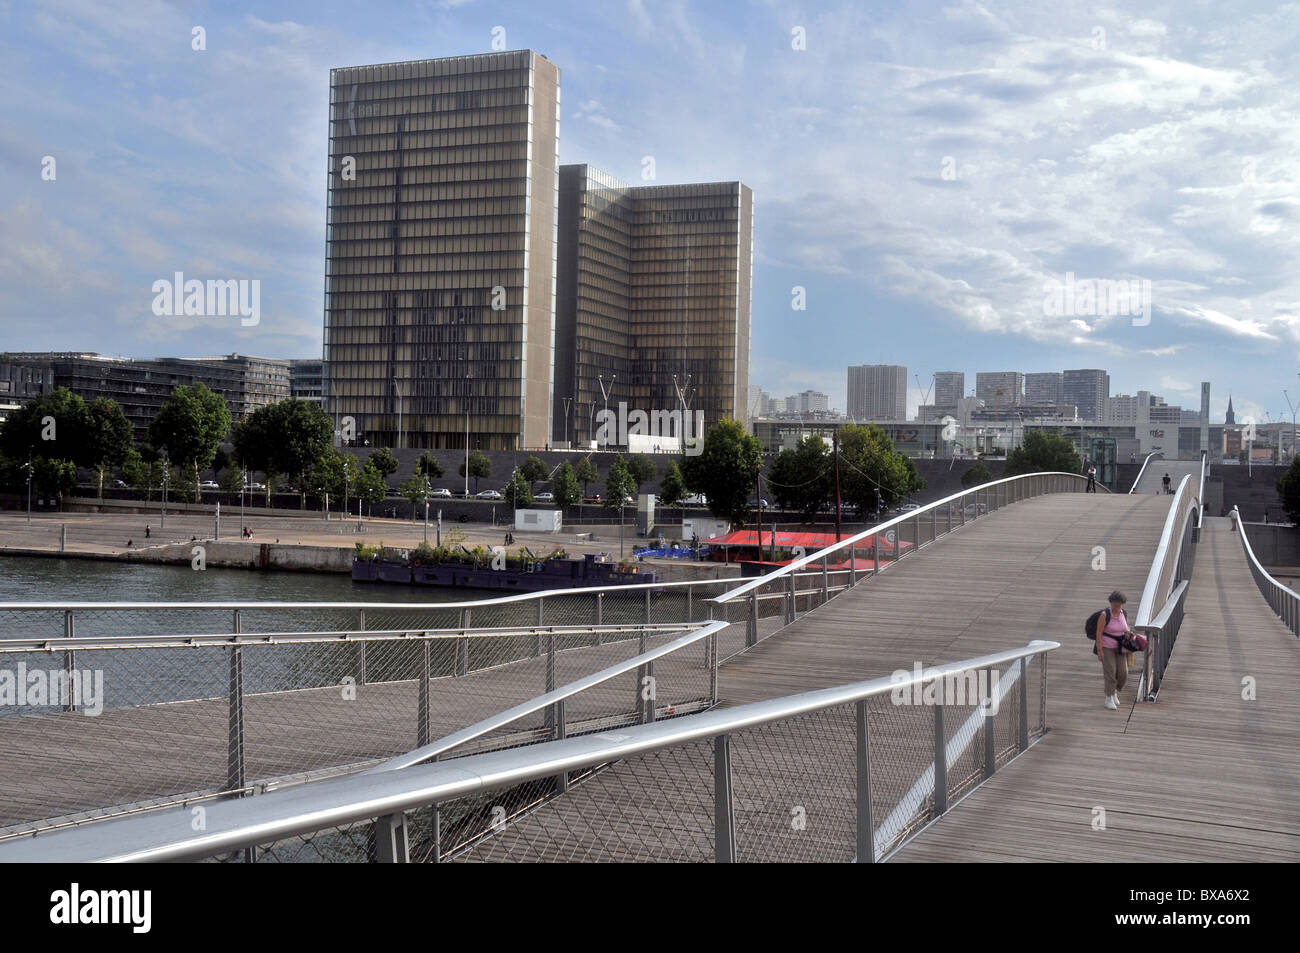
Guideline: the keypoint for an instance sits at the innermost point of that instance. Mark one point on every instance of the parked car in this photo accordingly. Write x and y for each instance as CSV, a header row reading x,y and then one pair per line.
x,y
488,495
754,504
695,499
209,485
255,486
908,507
545,498
970,508
120,484
442,493
591,499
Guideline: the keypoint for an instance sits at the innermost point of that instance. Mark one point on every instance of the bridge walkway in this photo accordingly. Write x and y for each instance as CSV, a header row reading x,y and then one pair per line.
x,y
1023,572
1203,774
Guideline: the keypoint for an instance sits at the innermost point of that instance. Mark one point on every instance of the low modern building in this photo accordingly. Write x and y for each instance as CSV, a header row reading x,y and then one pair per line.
x,y
141,387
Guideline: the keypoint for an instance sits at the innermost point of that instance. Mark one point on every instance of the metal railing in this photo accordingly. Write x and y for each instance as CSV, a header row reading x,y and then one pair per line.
x,y
1138,479
673,602
841,774
874,549
1160,611
178,718
1283,600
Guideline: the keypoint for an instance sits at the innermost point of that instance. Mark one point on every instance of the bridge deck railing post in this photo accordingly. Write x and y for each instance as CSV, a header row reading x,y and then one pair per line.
x,y
724,821
940,758
866,833
1023,741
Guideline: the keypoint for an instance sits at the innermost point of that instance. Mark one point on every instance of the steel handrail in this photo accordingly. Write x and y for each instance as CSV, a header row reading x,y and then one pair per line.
x,y
253,639
1254,560
1147,607
246,822
1149,458
817,556
541,702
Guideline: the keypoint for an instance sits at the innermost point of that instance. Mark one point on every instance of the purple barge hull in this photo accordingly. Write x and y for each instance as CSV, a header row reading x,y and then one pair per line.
x,y
534,577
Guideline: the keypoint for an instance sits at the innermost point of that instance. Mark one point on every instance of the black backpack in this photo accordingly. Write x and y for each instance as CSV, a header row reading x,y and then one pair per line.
x,y
1090,627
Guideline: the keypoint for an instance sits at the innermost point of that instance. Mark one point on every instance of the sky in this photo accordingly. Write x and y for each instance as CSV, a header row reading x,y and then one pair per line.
x,y
925,175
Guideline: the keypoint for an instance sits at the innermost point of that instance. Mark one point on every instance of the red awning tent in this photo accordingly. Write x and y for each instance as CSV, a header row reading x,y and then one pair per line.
x,y
811,542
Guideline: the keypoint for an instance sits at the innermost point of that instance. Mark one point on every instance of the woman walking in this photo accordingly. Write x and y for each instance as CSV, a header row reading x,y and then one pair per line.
x,y
1112,625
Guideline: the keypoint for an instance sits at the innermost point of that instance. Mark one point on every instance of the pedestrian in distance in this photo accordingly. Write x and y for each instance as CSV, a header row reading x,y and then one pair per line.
x,y
1165,482
146,531
1092,480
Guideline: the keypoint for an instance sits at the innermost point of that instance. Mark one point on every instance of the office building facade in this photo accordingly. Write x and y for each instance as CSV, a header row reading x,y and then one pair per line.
x,y
1044,389
1000,390
949,388
653,299
141,387
1087,389
877,392
440,250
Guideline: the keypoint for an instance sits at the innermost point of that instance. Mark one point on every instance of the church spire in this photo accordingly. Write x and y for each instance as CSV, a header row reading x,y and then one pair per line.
x,y
1229,418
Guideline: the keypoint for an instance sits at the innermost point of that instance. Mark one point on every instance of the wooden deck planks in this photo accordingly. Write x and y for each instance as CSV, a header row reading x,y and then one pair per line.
x,y
1199,775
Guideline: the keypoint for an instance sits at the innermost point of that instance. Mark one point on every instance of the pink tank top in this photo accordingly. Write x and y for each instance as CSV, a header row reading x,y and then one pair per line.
x,y
1117,626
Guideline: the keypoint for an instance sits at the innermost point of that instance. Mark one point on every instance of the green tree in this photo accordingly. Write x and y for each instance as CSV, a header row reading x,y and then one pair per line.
x,y
1042,452
479,467
384,462
619,484
976,476
413,490
108,437
565,486
533,470
1289,489
672,488
54,478
370,486
915,482
191,425
289,437
144,475
802,479
725,469
586,473
51,426
231,480
643,470
517,493
869,462
429,466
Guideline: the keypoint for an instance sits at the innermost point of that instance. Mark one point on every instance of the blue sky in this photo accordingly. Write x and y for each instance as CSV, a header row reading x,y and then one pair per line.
x,y
923,172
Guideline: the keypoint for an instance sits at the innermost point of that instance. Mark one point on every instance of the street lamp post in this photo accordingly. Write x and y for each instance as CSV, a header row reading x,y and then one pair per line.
x,y
1293,408
164,486
604,393
467,436
567,402
29,486
428,488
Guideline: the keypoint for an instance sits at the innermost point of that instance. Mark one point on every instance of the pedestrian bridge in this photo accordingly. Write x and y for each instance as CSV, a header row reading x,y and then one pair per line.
x,y
759,722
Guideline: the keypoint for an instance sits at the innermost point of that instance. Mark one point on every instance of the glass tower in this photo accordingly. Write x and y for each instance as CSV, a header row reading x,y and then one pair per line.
x,y
653,300
440,250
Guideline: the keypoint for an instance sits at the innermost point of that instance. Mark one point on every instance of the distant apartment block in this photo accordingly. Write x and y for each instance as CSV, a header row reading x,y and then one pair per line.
x,y
1000,390
1045,388
877,392
1087,389
306,380
21,382
949,388
141,387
